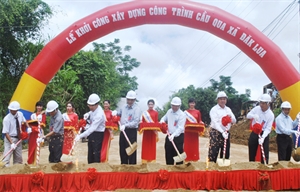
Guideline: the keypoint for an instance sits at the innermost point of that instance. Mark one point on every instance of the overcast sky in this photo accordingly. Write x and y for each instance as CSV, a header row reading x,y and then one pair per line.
x,y
173,57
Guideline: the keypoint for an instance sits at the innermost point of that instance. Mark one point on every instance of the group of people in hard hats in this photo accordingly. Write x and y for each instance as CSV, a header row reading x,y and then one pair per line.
x,y
182,129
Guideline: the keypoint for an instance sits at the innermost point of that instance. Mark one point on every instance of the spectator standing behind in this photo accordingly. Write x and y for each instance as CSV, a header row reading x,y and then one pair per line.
x,y
284,129
12,130
56,134
148,127
193,128
38,123
221,120
96,130
70,127
176,122
262,115
130,117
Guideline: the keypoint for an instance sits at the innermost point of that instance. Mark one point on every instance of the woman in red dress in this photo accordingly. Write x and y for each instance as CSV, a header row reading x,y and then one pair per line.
x,y
193,127
70,126
149,126
37,122
110,125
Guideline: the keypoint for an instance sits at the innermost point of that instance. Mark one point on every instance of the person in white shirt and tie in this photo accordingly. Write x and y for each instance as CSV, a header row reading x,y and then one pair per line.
x,y
176,122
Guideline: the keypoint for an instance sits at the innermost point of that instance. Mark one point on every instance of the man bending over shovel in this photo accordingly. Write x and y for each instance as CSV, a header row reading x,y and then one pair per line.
x,y
221,119
176,122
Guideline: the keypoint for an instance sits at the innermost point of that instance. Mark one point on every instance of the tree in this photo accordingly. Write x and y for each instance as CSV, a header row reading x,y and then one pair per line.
x,y
20,25
105,71
206,98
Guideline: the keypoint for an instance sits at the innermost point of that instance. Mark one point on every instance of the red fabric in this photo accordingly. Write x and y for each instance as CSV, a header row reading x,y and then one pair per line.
x,y
105,146
258,154
81,124
33,137
252,180
226,120
148,151
69,132
191,137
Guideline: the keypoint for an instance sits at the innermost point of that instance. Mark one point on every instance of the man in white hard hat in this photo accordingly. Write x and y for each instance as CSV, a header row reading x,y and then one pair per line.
x,y
12,130
219,132
56,132
175,118
96,130
264,116
130,117
284,129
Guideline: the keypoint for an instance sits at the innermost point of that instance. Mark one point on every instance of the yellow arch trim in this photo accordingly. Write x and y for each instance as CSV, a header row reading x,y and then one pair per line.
x,y
292,95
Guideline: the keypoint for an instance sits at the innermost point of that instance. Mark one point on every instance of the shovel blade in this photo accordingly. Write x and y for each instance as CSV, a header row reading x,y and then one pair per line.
x,y
223,162
131,149
180,157
66,158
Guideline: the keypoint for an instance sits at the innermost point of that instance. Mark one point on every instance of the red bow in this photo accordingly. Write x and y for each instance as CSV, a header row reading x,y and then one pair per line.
x,y
24,135
91,174
257,128
226,120
81,124
116,119
37,178
164,128
163,175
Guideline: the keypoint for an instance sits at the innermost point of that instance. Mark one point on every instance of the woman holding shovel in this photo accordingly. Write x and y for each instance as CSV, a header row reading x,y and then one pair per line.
x,y
284,129
38,123
219,137
193,128
149,126
175,138
70,126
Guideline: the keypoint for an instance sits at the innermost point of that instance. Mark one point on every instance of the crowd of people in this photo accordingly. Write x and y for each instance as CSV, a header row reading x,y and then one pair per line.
x,y
182,129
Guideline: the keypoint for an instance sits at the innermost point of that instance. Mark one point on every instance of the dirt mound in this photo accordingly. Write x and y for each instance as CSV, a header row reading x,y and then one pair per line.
x,y
240,133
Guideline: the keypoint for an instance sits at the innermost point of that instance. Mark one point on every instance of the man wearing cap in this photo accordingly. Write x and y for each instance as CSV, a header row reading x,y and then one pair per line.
x,y
96,130
176,122
56,132
284,129
219,129
263,116
12,130
130,117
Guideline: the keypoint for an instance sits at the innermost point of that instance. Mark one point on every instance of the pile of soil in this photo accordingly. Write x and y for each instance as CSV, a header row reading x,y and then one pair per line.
x,y
143,168
240,133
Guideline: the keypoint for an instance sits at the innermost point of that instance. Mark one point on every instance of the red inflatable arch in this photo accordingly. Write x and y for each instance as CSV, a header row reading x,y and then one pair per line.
x,y
182,12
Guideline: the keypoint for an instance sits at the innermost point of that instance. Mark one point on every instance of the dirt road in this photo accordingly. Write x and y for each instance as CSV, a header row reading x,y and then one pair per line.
x,y
238,153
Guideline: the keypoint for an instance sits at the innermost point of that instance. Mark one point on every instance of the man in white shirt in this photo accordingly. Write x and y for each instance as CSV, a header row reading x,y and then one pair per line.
x,y
284,129
219,132
263,115
12,130
175,118
96,130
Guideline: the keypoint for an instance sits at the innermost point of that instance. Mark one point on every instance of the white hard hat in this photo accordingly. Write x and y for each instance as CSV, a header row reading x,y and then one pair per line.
x,y
14,105
221,94
131,95
176,101
286,104
93,99
265,98
51,106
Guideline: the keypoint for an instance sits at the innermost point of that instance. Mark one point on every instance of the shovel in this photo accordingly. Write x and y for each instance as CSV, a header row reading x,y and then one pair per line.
x,y
132,147
179,157
8,152
223,162
263,154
